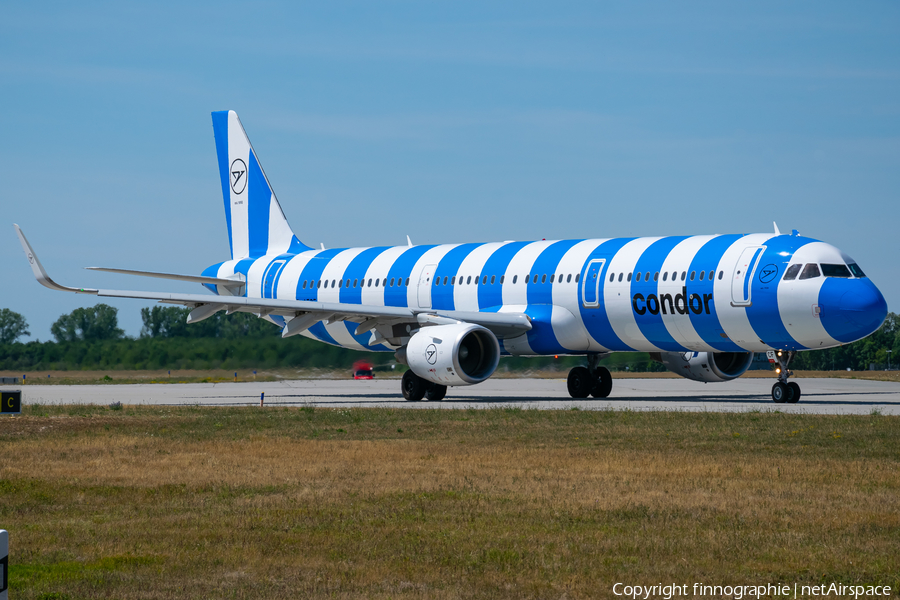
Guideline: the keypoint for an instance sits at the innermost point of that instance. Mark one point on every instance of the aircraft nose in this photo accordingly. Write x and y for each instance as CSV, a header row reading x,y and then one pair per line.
x,y
853,308
865,307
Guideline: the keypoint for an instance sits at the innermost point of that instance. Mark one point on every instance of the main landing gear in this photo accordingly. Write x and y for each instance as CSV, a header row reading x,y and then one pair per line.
x,y
591,380
415,388
783,391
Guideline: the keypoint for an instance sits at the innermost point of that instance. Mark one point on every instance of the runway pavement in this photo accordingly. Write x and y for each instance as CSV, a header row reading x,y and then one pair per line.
x,y
820,396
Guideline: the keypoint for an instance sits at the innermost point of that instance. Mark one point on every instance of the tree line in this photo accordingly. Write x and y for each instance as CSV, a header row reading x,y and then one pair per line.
x,y
90,339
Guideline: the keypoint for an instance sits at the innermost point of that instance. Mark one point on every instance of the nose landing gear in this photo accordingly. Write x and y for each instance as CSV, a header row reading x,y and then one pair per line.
x,y
591,380
782,391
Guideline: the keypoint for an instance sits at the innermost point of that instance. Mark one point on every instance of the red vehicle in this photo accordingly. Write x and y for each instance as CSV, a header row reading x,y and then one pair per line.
x,y
362,370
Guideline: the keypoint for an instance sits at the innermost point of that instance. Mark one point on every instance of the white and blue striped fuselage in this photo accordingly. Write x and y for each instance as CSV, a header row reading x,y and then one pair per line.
x,y
711,293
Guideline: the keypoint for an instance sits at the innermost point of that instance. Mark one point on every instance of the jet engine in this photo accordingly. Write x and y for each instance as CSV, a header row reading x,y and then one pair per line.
x,y
459,354
708,367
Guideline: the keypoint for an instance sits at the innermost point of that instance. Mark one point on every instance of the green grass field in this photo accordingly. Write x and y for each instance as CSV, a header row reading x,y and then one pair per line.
x,y
189,502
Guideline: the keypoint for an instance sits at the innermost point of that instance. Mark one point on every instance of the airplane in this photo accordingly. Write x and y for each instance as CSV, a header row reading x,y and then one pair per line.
x,y
701,305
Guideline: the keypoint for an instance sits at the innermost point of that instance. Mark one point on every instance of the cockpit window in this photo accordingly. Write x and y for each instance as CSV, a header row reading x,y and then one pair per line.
x,y
835,270
857,272
810,271
791,272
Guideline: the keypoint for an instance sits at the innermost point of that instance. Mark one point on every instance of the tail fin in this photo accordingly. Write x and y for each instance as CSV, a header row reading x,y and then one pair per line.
x,y
256,223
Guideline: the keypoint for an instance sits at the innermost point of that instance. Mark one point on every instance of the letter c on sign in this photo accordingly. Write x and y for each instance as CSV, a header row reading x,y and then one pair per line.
x,y
614,589
634,304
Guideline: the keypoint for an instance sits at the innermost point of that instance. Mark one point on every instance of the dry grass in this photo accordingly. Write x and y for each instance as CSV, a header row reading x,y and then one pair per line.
x,y
281,503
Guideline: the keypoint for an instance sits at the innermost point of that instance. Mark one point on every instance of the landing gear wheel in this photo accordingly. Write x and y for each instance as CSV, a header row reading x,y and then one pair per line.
x,y
602,383
580,382
435,392
796,388
779,392
412,386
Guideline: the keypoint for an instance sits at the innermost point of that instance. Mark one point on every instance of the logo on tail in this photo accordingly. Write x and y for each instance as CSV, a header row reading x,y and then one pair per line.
x,y
238,179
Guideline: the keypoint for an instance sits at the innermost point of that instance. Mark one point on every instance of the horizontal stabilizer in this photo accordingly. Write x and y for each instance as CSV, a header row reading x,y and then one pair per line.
x,y
237,281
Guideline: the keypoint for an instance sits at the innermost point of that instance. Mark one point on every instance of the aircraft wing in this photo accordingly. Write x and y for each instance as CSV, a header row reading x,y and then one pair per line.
x,y
302,314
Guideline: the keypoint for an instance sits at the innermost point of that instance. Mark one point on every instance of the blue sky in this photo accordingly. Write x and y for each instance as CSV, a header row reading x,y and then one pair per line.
x,y
451,122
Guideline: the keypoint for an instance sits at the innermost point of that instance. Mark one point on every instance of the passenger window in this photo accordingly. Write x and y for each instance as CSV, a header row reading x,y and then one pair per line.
x,y
612,277
857,272
493,278
656,276
569,278
637,276
544,278
577,277
392,281
515,278
355,282
620,276
702,275
674,275
445,280
810,271
552,277
683,274
835,270
407,282
666,276
469,280
711,273
792,271
628,278
721,274
502,279
453,280
304,284
693,274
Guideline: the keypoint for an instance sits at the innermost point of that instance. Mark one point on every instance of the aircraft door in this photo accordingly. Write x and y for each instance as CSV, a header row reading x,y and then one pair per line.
x,y
743,275
271,275
590,283
424,291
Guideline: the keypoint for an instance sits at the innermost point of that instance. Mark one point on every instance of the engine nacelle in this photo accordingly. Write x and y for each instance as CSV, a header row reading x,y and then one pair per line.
x,y
460,354
708,367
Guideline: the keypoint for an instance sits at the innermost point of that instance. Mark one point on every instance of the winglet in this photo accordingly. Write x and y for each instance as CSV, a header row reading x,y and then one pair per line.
x,y
409,242
39,273
777,231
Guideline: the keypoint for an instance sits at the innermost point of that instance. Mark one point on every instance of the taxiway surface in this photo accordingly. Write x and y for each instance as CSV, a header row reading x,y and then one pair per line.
x,y
820,396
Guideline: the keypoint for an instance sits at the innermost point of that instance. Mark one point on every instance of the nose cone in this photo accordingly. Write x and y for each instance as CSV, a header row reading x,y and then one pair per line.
x,y
851,308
